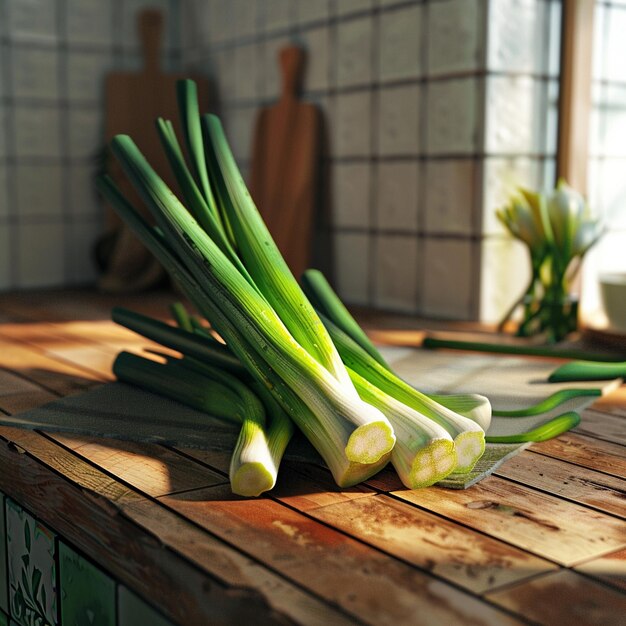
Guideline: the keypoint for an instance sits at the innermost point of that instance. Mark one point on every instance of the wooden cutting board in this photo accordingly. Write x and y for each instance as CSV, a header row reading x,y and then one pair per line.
x,y
285,165
133,101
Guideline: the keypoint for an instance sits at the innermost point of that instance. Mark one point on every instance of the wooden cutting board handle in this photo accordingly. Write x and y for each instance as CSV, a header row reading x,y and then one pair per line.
x,y
150,27
292,66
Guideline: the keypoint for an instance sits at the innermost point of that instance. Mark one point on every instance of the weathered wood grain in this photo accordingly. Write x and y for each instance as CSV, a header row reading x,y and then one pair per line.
x,y
594,489
564,598
471,560
151,468
603,426
543,524
131,555
610,568
601,456
234,568
372,586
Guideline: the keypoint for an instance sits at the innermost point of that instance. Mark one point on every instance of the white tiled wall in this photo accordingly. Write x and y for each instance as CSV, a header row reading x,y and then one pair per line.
x,y
427,104
54,55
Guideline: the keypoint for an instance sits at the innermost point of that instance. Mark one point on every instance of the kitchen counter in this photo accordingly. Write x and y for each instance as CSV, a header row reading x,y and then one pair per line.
x,y
543,540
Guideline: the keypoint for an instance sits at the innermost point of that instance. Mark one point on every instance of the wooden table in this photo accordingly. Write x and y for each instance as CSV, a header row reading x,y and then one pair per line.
x,y
543,540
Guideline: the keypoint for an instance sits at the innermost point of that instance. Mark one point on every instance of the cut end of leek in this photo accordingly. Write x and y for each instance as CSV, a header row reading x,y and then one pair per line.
x,y
370,442
252,479
470,446
432,464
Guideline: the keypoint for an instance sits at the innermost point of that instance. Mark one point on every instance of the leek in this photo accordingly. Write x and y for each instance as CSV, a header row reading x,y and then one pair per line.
x,y
242,304
253,468
329,442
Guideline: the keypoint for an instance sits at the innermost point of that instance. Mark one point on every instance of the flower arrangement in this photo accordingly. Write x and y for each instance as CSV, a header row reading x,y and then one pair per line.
x,y
558,230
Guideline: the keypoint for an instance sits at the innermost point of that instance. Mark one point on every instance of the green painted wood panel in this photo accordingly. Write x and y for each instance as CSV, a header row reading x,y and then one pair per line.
x,y
134,611
4,619
87,594
32,569
4,577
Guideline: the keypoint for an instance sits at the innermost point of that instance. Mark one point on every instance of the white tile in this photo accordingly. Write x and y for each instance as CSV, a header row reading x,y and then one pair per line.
x,y
352,125
318,52
554,37
348,7
247,71
354,45
240,131
277,14
449,197
400,41
224,74
83,235
86,133
452,117
350,256
246,17
454,35
516,108
129,33
41,249
351,195
4,113
32,20
517,36
396,273
37,131
6,236
35,73
217,21
82,196
397,189
39,190
398,120
447,278
86,73
311,11
616,44
4,197
501,178
504,275
89,22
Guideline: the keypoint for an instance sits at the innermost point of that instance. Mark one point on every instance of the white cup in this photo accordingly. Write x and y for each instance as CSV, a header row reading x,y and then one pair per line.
x,y
613,289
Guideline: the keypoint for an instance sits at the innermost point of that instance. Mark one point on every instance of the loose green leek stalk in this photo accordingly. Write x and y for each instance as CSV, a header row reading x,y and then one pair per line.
x,y
253,467
328,303
179,313
330,443
242,304
424,452
468,436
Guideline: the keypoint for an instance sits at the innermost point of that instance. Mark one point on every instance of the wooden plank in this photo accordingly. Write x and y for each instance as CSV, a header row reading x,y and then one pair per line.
x,y
564,598
602,492
205,551
610,568
98,529
18,394
594,454
47,372
364,582
473,561
236,569
613,403
540,523
603,426
153,469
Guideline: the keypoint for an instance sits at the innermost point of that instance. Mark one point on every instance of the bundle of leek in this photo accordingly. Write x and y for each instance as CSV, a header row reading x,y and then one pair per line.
x,y
220,253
